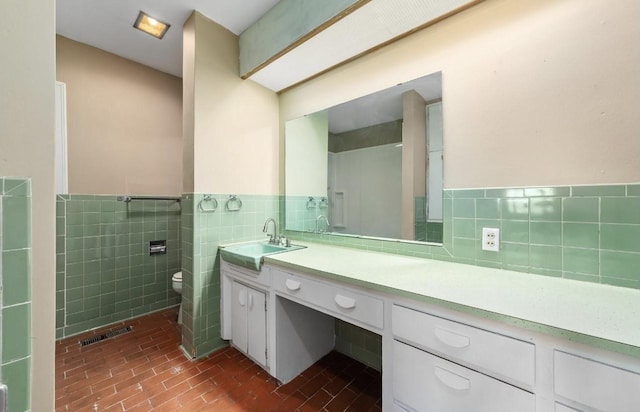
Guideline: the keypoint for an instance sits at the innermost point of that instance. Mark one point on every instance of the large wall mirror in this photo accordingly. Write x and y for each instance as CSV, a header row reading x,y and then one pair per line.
x,y
369,167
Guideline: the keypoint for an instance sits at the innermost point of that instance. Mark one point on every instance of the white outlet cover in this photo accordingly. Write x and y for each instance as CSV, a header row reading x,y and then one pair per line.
x,y
490,239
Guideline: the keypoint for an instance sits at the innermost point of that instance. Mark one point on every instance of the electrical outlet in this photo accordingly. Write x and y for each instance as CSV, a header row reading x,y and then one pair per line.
x,y
491,239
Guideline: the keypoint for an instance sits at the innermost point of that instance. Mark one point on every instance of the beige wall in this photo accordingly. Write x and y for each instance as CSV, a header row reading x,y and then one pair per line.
x,y
26,150
235,121
188,102
124,123
535,92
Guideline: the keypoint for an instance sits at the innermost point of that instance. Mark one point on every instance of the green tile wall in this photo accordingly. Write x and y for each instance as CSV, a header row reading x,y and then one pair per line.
x,y
15,296
359,343
420,218
202,232
586,233
104,273
302,212
187,231
434,232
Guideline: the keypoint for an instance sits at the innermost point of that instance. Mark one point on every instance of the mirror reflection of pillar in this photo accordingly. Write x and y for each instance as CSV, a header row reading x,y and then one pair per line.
x,y
414,149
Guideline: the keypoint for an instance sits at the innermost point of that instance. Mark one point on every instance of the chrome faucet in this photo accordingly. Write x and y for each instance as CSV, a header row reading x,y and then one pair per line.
x,y
321,217
272,238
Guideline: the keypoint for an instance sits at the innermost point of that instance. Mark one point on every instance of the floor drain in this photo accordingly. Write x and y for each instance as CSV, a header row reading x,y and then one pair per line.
x,y
98,338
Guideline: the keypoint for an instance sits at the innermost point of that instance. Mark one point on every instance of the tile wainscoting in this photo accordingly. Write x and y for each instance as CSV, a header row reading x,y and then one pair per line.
x,y
15,287
203,231
587,233
104,272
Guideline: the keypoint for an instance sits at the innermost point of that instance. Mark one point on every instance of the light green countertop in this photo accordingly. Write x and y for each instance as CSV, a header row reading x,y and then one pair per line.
x,y
599,315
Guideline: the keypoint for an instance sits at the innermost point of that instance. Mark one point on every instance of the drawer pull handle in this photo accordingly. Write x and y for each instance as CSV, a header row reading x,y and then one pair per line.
x,y
455,340
452,380
345,302
292,284
242,298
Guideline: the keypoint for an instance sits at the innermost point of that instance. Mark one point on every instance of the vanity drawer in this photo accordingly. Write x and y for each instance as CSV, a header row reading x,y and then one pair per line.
x,y
335,299
425,382
262,277
595,384
498,355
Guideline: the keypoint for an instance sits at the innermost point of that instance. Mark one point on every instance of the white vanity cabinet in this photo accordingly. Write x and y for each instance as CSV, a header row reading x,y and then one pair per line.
x,y
443,365
249,322
446,361
244,304
435,356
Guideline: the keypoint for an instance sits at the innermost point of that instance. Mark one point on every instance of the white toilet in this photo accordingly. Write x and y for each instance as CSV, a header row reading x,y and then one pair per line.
x,y
176,283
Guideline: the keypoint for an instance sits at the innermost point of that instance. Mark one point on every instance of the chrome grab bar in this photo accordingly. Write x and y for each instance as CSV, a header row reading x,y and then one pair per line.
x,y
128,199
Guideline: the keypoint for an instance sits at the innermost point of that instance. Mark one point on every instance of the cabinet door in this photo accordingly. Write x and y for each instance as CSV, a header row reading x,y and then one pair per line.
x,y
424,382
562,408
398,408
257,326
239,316
595,384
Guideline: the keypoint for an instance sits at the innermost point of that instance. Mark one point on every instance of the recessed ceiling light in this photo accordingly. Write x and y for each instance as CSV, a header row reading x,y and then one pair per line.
x,y
151,25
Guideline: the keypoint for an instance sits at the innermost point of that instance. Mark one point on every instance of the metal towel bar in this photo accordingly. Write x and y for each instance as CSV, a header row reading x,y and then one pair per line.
x,y
233,204
128,199
311,203
208,198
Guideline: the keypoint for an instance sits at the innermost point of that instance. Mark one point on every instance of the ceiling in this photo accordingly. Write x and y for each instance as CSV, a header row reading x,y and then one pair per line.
x,y
108,25
382,106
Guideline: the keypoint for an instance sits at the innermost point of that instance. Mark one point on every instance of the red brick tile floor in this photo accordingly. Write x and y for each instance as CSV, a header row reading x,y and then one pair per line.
x,y
144,370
